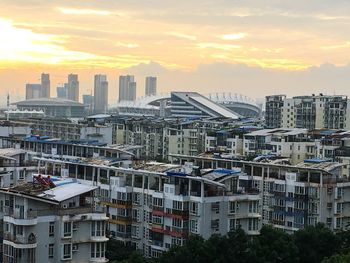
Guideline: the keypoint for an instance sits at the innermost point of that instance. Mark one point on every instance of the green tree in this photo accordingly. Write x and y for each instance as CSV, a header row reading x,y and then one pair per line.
x,y
337,259
316,243
273,245
117,251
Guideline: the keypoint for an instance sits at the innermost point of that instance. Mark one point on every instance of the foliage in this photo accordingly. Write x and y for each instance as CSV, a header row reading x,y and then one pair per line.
x,y
313,244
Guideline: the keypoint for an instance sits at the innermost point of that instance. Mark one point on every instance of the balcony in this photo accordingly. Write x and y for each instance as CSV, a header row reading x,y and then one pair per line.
x,y
171,231
19,241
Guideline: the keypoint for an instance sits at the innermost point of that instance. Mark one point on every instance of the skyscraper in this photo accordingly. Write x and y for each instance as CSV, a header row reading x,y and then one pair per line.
x,y
151,86
45,85
127,88
33,91
100,94
132,91
62,92
73,87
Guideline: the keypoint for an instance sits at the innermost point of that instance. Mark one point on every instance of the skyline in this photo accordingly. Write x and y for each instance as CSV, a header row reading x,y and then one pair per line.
x,y
253,48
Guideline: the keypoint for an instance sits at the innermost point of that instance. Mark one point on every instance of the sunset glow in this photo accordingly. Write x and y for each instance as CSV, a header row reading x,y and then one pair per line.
x,y
106,36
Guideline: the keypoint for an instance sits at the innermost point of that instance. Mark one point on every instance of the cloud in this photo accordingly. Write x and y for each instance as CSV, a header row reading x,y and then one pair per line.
x,y
19,45
226,47
181,35
77,11
344,45
127,45
234,36
252,81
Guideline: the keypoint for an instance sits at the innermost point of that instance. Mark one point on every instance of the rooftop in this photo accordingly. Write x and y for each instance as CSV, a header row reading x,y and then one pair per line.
x,y
277,131
9,152
48,102
156,167
60,190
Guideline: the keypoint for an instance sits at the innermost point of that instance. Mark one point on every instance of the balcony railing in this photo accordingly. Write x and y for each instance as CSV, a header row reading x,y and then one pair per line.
x,y
19,239
31,214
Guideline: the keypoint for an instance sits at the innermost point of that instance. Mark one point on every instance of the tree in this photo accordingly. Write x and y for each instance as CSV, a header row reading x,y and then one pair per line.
x,y
316,243
117,250
274,245
337,259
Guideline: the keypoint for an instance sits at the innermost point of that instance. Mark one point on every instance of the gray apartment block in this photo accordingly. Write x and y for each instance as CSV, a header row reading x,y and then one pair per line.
x,y
52,220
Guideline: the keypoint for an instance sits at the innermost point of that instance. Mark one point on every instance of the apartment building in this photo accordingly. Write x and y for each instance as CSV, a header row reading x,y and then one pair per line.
x,y
273,105
309,112
52,220
153,206
72,148
292,196
296,145
16,166
228,141
159,137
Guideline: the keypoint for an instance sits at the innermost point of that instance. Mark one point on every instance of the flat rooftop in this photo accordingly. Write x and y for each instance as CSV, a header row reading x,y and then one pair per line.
x,y
156,167
10,152
277,131
63,189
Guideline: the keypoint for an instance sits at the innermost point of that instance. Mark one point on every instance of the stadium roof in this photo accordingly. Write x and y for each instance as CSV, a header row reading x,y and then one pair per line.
x,y
48,102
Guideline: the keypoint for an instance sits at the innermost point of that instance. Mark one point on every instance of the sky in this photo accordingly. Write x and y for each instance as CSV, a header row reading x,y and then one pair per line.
x,y
251,47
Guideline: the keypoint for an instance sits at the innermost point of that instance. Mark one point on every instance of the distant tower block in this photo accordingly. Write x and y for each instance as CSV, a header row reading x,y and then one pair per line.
x,y
151,86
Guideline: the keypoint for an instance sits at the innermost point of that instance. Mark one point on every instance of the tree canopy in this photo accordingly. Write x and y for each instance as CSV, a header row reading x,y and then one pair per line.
x,y
313,244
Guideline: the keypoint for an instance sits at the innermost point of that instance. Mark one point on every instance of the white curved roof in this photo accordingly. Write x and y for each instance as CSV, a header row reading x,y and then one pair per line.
x,y
48,102
229,98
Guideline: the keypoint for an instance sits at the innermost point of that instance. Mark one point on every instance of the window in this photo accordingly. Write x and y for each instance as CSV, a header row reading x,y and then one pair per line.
x,y
194,210
194,226
135,231
338,223
253,224
19,230
234,224
233,207
67,229
157,219
97,250
51,229
21,175
177,222
340,192
253,206
67,251
339,208
51,247
157,201
97,228
177,241
177,205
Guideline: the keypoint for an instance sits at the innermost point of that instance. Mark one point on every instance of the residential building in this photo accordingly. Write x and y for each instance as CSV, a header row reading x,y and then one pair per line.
x,y
292,196
273,113
127,88
151,86
45,85
73,87
100,94
154,206
33,91
16,166
309,112
62,92
53,220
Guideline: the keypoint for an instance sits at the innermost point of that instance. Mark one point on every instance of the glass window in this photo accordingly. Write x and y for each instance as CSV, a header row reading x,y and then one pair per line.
x,y
67,251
